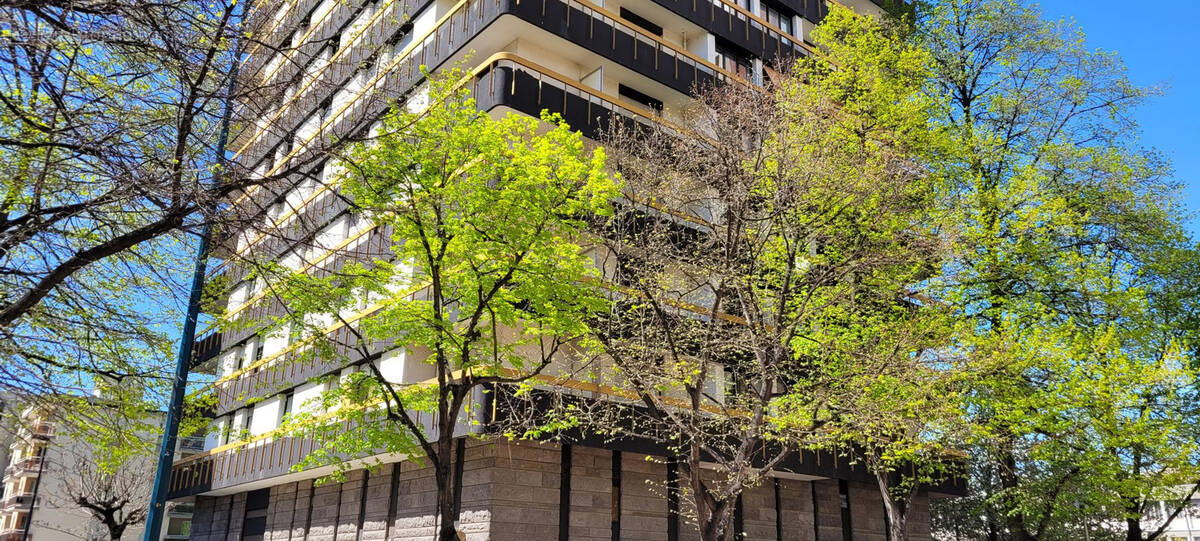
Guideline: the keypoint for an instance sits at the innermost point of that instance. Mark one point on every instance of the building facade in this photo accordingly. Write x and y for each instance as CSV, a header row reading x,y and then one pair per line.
x,y
1184,526
326,70
41,478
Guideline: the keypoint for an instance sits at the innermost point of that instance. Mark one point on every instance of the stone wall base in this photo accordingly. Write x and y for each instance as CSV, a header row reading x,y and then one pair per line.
x,y
512,492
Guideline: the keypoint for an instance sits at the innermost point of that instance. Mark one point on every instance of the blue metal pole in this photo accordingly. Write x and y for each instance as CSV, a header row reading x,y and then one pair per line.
x,y
166,456
187,339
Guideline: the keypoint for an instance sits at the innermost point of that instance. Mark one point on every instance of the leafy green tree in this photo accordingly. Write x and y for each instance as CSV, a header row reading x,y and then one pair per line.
x,y
112,121
109,114
486,282
759,239
1071,280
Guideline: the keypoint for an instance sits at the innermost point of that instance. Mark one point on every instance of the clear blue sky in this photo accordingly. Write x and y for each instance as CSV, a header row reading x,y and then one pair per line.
x,y
1159,42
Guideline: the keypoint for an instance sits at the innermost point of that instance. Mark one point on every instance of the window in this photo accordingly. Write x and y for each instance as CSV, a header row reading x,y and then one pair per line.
x,y
254,523
239,294
322,10
295,332
359,25
733,61
248,352
640,98
311,125
246,420
347,93
286,409
777,18
642,22
223,430
744,4
300,33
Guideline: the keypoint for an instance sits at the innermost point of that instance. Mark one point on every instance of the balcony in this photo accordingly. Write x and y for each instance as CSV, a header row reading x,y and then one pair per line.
x,y
24,466
14,535
737,25
505,80
42,430
21,500
582,22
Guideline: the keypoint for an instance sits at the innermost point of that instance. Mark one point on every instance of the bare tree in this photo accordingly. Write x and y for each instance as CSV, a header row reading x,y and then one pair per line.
x,y
754,239
116,500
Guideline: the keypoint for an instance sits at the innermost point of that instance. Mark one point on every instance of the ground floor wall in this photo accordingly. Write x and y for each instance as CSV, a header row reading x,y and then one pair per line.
x,y
534,492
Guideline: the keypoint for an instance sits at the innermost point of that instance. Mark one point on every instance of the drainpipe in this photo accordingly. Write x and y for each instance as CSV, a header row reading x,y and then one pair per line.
x,y
37,484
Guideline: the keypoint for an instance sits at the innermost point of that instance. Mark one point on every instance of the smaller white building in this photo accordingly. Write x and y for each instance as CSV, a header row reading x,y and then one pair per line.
x,y
45,466
1185,526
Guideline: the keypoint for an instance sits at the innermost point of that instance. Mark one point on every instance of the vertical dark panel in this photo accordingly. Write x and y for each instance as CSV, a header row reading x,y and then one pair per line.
x,y
778,512
229,520
392,497
616,496
312,490
816,512
887,522
564,494
254,521
844,496
295,504
672,499
460,453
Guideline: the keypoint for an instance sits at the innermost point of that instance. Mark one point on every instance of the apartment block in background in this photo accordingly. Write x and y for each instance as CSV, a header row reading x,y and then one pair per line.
x,y
42,461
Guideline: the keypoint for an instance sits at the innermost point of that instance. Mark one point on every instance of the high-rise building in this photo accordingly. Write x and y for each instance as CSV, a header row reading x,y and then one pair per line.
x,y
327,69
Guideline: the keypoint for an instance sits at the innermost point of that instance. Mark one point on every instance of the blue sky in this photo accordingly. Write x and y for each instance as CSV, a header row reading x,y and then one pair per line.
x,y
1158,41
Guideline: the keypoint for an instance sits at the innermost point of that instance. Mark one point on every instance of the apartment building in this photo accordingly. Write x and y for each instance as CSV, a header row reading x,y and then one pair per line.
x,y
330,68
1184,526
41,480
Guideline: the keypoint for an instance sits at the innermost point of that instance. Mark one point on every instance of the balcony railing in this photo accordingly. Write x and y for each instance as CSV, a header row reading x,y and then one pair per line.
x,y
42,430
273,454
580,21
19,500
25,465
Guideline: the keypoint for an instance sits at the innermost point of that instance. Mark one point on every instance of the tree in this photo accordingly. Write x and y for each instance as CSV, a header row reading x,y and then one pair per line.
x,y
111,134
1070,259
486,283
100,465
773,220
895,400
117,499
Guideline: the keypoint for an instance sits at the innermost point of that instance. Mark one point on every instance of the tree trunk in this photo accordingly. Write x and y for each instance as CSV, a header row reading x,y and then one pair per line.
x,y
116,531
444,472
1133,529
897,510
712,515
1008,481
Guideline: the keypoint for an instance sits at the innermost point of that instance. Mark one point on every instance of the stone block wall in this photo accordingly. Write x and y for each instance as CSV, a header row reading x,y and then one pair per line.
x,y
591,494
867,516
829,509
511,492
643,498
796,510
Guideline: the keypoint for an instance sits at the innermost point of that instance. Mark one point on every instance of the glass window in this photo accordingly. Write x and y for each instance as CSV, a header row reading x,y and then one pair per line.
x,y
735,62
287,406
777,19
